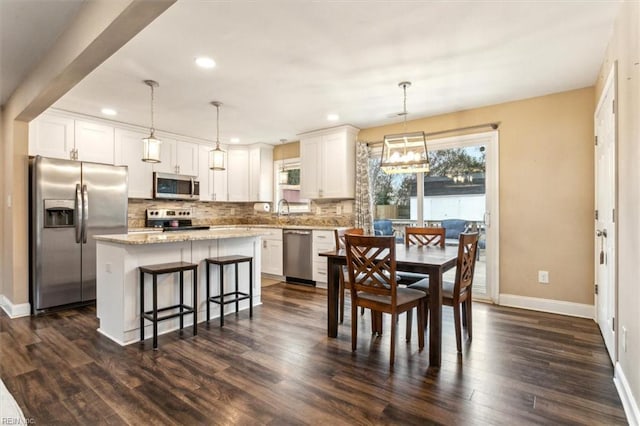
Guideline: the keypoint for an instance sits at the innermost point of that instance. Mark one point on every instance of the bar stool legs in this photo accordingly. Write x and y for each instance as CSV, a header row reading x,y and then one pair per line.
x,y
166,268
237,295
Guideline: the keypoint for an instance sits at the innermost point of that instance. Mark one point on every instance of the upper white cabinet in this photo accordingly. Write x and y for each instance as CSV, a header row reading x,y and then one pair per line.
x,y
52,136
261,173
178,157
250,173
94,142
61,136
213,183
238,173
129,153
327,160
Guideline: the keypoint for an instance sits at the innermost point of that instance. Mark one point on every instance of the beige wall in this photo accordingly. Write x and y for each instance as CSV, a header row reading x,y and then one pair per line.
x,y
100,28
287,150
546,190
624,48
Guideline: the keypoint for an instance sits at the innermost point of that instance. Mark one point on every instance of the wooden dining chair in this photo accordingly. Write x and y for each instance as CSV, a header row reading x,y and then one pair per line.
x,y
418,236
431,236
371,261
343,279
458,293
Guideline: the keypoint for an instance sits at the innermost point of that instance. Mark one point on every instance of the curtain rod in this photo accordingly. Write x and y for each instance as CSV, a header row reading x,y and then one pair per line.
x,y
494,126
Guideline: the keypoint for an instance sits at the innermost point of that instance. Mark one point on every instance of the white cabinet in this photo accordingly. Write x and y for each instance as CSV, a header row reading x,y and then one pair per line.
x,y
322,241
61,136
52,136
272,259
250,173
94,142
328,163
128,152
213,183
238,173
178,157
261,173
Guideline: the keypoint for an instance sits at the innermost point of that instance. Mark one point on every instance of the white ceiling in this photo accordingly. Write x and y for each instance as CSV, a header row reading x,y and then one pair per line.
x,y
28,28
282,66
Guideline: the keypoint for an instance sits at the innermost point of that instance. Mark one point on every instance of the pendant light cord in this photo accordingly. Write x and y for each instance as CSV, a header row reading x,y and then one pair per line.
x,y
152,99
217,126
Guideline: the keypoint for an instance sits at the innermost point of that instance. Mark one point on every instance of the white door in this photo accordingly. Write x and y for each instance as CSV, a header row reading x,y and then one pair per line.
x,y
605,198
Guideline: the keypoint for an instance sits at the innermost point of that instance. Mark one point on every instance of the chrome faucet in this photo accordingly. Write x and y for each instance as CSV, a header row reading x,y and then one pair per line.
x,y
279,207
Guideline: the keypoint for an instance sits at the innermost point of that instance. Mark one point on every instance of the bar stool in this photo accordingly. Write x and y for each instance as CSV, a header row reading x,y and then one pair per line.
x,y
152,315
236,295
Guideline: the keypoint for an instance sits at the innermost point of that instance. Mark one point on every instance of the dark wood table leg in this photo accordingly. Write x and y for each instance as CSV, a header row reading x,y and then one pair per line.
x,y
435,318
333,269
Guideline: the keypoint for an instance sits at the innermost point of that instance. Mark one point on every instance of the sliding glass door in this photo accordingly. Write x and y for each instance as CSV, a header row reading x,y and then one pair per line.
x,y
459,193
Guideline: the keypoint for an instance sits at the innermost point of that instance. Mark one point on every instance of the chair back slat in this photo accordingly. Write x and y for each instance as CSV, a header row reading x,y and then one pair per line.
x,y
371,261
466,263
340,233
424,236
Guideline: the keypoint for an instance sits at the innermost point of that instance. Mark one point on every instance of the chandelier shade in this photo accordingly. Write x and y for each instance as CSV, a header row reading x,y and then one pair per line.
x,y
405,152
151,144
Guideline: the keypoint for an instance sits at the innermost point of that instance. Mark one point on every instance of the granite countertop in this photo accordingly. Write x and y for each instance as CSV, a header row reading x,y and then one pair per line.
x,y
140,238
247,226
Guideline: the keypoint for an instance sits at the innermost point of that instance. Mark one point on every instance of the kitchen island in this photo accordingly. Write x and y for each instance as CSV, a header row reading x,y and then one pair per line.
x,y
120,255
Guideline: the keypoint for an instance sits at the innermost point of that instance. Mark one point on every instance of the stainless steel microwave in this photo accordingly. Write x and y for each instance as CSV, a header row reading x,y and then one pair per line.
x,y
168,186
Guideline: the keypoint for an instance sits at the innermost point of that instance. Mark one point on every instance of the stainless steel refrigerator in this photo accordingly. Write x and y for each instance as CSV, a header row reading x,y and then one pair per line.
x,y
70,201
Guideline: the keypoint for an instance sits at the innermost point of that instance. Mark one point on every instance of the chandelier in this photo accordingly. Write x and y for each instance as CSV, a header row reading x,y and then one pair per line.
x,y
151,144
405,152
216,155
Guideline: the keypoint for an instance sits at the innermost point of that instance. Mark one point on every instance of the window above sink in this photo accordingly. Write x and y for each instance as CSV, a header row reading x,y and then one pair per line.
x,y
289,191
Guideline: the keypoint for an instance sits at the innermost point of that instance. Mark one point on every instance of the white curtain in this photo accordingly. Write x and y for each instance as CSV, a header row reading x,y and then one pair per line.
x,y
364,199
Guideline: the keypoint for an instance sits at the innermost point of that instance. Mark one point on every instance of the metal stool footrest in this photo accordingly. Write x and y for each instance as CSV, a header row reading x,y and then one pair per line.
x,y
152,315
235,296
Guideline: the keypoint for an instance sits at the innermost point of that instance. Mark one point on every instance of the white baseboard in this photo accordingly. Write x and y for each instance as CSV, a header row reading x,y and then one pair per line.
x,y
626,396
548,305
14,311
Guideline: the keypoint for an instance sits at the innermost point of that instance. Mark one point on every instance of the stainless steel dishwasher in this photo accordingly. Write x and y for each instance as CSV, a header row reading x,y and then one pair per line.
x,y
298,265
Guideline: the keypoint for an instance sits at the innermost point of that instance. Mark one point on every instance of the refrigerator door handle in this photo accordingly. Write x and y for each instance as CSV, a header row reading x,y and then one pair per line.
x,y
77,219
85,212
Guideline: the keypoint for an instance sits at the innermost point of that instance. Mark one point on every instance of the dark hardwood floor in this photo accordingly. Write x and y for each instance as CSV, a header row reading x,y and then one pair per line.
x,y
279,368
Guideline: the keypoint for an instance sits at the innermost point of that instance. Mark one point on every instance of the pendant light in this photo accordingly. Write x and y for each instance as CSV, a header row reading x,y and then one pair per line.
x,y
216,156
405,152
283,174
151,144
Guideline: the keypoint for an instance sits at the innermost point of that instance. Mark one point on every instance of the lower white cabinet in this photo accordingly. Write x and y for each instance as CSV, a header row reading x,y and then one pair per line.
x,y
323,240
272,259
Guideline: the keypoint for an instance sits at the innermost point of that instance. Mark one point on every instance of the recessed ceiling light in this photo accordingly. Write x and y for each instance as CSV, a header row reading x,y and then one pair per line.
x,y
333,117
109,111
234,140
205,62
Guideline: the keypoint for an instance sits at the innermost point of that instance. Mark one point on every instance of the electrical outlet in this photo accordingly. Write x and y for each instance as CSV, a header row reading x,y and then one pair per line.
x,y
624,339
107,268
338,209
543,277
232,211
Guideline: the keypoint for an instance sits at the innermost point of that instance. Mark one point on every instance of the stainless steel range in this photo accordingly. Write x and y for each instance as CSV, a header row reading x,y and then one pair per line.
x,y
172,220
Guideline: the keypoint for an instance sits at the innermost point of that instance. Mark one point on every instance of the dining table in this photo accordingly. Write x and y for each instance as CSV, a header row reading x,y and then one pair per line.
x,y
428,260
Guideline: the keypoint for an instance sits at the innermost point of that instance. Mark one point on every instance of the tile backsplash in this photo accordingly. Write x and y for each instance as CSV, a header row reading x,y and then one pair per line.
x,y
325,213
